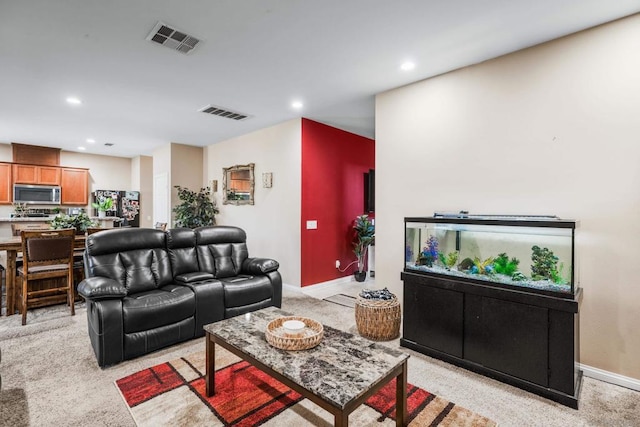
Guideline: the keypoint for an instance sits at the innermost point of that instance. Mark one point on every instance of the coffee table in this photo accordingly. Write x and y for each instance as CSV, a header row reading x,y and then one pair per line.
x,y
340,374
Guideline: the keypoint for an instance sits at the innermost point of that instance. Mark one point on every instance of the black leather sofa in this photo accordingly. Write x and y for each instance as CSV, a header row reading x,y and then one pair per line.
x,y
147,289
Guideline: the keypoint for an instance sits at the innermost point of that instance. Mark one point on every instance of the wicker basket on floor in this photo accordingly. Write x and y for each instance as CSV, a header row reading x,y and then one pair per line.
x,y
378,320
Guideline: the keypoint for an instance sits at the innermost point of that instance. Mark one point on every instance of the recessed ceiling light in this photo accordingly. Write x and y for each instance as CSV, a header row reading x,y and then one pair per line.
x,y
73,100
81,148
297,105
407,66
91,140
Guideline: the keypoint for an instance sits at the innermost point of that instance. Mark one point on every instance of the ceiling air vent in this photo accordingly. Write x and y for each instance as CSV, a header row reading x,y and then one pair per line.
x,y
174,39
224,112
108,144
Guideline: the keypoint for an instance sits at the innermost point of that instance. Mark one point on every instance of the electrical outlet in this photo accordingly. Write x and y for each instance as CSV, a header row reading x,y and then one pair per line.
x,y
337,263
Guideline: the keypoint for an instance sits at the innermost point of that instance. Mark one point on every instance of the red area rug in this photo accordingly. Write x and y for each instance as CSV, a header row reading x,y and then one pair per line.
x,y
173,394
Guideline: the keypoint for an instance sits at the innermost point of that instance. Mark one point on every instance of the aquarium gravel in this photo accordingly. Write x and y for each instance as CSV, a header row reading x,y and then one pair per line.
x,y
546,285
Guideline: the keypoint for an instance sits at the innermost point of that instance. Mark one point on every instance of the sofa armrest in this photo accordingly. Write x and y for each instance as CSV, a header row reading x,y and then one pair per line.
x,y
259,265
100,288
197,276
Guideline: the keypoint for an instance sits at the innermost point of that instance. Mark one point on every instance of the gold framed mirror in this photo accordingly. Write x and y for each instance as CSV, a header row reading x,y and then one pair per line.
x,y
238,184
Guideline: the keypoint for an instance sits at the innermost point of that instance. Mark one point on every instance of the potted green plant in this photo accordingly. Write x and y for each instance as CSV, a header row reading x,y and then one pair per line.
x,y
103,205
80,222
195,209
364,237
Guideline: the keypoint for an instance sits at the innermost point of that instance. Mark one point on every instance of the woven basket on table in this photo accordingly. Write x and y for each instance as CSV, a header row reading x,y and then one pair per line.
x,y
378,320
308,338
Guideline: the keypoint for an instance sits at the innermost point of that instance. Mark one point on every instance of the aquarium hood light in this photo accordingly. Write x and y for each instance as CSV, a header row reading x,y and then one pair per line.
x,y
465,214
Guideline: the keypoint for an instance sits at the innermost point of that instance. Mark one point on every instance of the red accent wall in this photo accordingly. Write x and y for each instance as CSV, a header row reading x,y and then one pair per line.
x,y
333,164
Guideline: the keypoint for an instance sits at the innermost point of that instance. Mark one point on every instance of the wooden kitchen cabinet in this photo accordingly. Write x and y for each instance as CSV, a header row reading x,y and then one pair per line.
x,y
32,174
49,175
25,174
6,195
75,186
35,155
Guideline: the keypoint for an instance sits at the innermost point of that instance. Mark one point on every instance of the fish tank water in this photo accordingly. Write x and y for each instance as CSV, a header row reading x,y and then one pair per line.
x,y
527,253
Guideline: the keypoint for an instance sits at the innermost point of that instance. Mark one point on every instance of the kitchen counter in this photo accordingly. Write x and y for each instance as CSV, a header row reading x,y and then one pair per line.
x,y
49,218
6,224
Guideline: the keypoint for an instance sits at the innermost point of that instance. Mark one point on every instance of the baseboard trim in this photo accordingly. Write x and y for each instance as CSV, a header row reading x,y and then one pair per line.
x,y
338,281
323,289
610,377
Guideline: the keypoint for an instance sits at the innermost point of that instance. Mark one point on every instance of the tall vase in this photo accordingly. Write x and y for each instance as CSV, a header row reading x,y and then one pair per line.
x,y
102,214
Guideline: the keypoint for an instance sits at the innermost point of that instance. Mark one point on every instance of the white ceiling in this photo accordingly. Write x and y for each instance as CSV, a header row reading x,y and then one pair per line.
x,y
257,56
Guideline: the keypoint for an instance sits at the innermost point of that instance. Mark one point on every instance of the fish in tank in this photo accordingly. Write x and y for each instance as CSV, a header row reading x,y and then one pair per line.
x,y
533,253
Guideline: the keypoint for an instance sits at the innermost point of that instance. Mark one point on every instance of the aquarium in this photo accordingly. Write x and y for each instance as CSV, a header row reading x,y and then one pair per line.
x,y
528,253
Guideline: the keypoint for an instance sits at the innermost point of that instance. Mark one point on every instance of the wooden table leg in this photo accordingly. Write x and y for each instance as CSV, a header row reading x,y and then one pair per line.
x,y
11,282
401,396
341,419
210,376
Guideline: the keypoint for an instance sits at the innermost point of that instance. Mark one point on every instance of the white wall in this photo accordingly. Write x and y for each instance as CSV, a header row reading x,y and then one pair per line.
x,y
142,181
549,130
186,170
161,168
6,153
182,165
273,223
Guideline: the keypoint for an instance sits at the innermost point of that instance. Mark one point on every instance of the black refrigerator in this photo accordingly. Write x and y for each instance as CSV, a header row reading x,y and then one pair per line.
x,y
126,206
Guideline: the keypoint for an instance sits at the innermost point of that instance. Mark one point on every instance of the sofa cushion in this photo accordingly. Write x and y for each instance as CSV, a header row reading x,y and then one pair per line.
x,y
223,259
147,310
221,250
244,290
181,244
135,257
144,269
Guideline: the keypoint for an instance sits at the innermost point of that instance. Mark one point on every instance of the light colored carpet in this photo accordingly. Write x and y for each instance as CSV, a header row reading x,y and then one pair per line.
x,y
50,377
342,299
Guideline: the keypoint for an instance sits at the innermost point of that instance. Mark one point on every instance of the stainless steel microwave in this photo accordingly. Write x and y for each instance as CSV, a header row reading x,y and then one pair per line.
x,y
36,194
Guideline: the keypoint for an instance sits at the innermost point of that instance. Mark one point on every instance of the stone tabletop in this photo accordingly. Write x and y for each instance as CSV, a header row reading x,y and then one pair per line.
x,y
340,369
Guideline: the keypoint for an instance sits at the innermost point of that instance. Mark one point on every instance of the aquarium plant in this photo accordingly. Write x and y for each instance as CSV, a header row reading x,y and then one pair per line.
x,y
544,264
482,267
557,276
503,265
518,277
408,253
448,261
429,253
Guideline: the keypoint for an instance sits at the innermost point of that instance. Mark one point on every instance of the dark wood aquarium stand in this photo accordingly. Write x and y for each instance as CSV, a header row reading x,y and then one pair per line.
x,y
521,338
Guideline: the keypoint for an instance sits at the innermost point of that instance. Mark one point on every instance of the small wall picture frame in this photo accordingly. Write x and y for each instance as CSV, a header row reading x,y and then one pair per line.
x,y
267,179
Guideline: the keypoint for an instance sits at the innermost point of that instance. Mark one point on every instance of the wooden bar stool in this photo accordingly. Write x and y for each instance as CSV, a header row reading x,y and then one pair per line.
x,y
47,254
